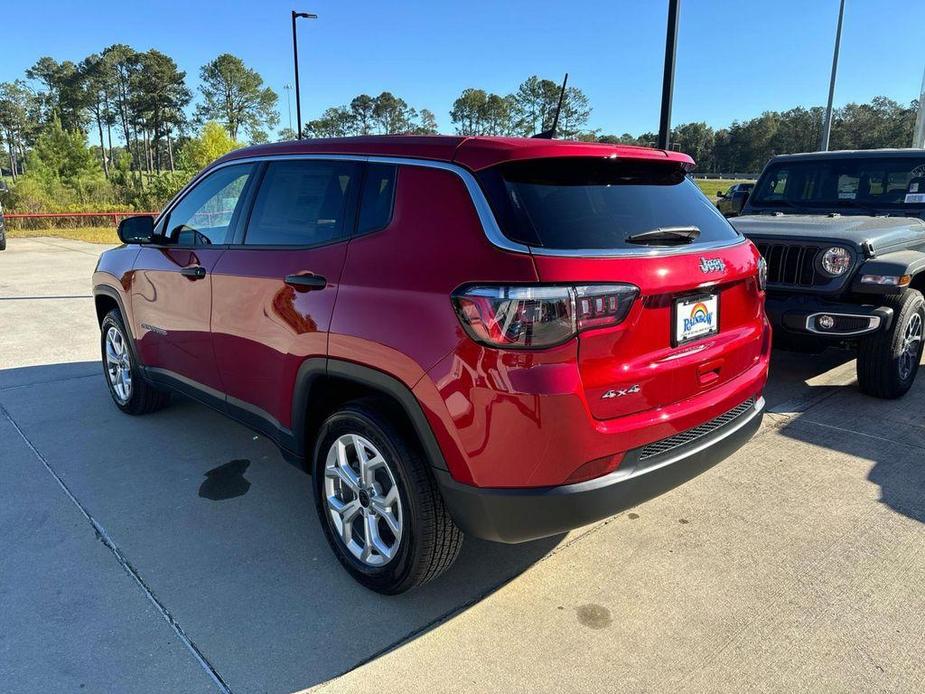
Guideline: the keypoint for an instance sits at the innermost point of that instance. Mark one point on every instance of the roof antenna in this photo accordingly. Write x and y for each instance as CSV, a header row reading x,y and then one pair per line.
x,y
551,133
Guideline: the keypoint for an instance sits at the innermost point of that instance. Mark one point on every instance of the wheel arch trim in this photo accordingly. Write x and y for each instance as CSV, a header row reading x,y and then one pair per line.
x,y
315,371
112,293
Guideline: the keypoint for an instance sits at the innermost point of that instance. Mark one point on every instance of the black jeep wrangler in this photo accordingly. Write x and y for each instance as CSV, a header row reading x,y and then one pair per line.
x,y
844,240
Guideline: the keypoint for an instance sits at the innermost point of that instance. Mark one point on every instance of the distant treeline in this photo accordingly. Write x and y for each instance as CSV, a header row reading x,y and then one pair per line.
x,y
122,128
746,146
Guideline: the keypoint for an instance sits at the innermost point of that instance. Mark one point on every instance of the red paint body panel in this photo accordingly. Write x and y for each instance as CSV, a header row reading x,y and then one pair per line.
x,y
172,312
393,309
263,329
472,152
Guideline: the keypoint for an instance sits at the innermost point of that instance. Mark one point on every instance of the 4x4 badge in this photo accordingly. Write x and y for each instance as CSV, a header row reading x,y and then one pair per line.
x,y
620,392
712,265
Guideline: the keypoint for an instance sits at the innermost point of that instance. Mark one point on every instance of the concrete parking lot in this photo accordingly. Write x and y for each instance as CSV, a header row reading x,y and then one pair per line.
x,y
178,552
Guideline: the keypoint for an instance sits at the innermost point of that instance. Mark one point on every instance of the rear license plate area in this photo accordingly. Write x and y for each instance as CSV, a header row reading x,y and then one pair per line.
x,y
694,318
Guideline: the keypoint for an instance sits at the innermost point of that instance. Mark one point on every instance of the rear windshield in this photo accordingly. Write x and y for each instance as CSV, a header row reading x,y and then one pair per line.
x,y
589,203
896,182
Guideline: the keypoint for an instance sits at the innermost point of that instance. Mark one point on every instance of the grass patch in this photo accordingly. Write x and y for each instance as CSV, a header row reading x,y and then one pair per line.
x,y
89,234
709,186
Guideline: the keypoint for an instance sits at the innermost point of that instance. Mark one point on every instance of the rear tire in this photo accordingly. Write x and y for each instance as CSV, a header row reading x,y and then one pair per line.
x,y
388,526
130,392
888,361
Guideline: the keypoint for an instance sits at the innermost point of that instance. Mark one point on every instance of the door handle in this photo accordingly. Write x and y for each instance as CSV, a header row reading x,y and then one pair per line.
x,y
306,282
194,272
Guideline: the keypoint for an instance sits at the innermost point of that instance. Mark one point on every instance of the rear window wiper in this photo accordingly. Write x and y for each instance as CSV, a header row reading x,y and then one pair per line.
x,y
665,236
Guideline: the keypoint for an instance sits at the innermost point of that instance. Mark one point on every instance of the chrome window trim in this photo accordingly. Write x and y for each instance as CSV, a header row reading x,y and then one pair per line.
x,y
873,324
486,217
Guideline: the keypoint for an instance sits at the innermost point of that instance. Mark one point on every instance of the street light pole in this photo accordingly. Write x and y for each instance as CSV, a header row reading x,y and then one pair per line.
x,y
288,88
671,42
295,59
827,124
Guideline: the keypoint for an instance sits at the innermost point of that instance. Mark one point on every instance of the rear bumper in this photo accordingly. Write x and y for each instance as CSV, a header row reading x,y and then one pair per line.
x,y
519,515
801,315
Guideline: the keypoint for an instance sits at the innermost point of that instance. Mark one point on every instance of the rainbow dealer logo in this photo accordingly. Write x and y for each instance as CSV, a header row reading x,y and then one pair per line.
x,y
699,316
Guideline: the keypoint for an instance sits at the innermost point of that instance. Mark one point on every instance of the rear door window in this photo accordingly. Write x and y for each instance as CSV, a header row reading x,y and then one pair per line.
x,y
304,203
589,203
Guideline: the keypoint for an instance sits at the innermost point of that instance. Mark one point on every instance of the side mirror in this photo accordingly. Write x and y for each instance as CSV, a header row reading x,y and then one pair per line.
x,y
738,202
721,193
136,229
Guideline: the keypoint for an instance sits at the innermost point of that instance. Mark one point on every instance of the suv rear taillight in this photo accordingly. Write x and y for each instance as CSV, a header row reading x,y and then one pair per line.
x,y
535,317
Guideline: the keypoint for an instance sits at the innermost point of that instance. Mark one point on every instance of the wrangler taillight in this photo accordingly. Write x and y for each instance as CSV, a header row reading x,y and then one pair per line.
x,y
534,317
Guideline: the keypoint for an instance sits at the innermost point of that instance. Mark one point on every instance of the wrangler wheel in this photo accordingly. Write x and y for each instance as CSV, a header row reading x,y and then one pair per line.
x,y
889,361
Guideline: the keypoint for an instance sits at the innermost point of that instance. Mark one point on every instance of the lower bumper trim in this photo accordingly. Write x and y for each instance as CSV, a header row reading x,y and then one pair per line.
x,y
803,315
523,514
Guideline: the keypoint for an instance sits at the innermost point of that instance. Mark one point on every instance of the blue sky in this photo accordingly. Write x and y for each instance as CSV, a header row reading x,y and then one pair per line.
x,y
735,58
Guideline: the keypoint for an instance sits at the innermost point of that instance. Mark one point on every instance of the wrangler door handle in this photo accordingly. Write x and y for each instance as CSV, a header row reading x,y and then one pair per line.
x,y
306,282
194,272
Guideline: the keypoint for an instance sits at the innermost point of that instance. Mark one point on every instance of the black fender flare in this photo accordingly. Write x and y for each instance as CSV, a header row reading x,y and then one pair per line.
x,y
106,290
314,371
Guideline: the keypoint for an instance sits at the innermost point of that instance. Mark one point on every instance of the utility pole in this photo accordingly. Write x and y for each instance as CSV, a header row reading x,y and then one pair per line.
x,y
918,137
827,124
671,42
295,59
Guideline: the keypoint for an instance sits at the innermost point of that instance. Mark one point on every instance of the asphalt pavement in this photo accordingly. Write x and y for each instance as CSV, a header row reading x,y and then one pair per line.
x,y
178,552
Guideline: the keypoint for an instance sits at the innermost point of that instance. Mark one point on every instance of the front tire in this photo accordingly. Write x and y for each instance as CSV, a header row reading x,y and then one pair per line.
x,y
129,390
378,502
889,361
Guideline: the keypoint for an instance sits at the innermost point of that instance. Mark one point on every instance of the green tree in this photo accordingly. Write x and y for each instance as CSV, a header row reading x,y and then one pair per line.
x,y
124,62
392,115
213,142
99,84
468,112
62,169
477,112
576,109
697,140
64,96
287,135
362,109
159,95
235,95
336,121
427,123
534,108
17,126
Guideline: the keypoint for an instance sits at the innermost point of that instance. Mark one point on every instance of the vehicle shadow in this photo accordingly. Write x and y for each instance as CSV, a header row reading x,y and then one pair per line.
x,y
225,534
798,380
889,434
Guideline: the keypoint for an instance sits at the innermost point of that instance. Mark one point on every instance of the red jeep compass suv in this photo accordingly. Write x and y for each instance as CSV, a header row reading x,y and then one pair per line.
x,y
503,337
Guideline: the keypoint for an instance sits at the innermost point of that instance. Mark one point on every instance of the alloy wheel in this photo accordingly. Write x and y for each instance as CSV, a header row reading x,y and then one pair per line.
x,y
911,349
118,364
362,499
